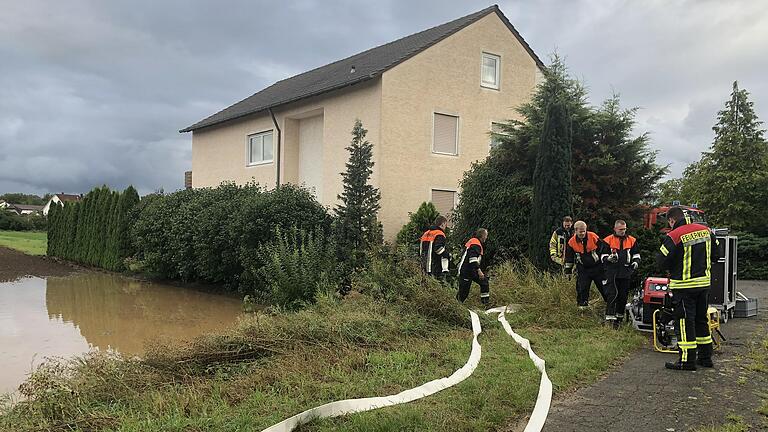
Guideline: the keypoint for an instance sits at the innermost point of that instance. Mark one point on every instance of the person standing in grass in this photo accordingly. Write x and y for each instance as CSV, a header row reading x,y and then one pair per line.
x,y
469,268
621,257
433,249
558,241
582,252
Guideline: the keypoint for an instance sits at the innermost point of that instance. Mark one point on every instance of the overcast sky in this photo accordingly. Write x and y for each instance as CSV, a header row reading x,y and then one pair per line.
x,y
94,92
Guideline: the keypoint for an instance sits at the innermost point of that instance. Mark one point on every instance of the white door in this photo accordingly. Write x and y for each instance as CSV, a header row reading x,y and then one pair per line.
x,y
311,155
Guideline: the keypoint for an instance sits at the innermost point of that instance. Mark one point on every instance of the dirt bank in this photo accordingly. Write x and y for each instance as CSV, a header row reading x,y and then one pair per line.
x,y
15,265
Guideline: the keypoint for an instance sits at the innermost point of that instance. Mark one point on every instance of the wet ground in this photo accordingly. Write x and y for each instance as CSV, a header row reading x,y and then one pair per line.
x,y
641,395
14,265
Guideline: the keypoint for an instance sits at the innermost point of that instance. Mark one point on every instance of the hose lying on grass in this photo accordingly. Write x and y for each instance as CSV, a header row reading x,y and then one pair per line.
x,y
349,406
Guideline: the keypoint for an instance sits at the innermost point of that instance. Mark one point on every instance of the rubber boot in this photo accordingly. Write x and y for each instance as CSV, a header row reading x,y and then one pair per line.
x,y
690,365
704,355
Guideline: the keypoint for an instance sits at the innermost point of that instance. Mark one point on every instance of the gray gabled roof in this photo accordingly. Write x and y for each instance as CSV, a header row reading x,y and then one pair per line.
x,y
367,65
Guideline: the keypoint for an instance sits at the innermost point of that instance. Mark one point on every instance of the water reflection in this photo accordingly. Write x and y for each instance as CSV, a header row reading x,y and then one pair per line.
x,y
68,315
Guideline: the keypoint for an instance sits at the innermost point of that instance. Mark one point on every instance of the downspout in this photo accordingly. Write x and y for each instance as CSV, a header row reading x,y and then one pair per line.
x,y
279,140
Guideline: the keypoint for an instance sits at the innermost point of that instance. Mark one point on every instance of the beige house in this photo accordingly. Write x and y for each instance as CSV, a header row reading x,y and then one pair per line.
x,y
428,101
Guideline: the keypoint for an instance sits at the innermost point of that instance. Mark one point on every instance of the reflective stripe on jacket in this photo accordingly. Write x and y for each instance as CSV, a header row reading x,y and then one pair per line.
x,y
688,252
432,249
471,258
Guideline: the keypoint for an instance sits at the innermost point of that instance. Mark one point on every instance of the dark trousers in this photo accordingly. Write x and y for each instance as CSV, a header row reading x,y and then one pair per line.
x,y
584,279
465,282
616,292
691,323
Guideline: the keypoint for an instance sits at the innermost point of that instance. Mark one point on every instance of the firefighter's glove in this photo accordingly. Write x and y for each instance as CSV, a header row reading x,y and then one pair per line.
x,y
613,258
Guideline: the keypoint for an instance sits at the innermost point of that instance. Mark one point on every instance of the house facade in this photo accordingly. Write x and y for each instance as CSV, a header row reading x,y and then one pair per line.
x,y
428,101
59,199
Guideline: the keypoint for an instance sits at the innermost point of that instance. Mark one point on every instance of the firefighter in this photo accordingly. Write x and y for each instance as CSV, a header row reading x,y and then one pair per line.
x,y
687,253
558,240
469,268
620,257
433,251
583,250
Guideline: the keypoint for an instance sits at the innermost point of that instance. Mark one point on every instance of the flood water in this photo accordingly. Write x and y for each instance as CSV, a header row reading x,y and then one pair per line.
x,y
67,316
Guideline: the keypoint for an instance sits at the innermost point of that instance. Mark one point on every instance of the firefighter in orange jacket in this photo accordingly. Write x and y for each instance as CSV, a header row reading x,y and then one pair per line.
x,y
620,257
433,251
469,268
582,251
688,252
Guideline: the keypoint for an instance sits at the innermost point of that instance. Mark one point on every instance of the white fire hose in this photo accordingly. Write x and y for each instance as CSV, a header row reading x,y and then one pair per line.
x,y
349,406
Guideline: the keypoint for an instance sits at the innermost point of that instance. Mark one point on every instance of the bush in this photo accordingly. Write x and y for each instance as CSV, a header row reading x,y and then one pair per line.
x,y
254,224
503,209
296,264
648,243
214,235
752,256
13,222
418,222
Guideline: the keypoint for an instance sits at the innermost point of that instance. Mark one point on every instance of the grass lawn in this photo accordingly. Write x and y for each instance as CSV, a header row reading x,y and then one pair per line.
x,y
29,242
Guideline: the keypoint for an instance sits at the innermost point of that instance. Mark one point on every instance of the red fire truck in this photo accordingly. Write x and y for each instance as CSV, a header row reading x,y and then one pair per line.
x,y
659,214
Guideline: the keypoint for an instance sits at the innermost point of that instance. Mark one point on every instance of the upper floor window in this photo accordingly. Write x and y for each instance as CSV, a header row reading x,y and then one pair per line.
x,y
260,149
446,134
489,71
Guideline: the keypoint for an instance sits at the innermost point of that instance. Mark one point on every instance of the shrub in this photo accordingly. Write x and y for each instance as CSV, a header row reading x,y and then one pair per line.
x,y
294,266
13,222
259,215
418,222
752,256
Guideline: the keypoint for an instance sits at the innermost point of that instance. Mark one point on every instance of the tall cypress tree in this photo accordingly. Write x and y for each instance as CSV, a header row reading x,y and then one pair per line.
x,y
733,174
552,174
357,227
53,218
128,200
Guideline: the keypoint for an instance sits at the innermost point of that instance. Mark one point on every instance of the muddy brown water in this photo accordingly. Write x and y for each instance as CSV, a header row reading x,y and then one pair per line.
x,y
69,315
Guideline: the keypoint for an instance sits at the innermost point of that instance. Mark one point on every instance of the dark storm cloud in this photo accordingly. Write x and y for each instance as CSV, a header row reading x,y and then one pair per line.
x,y
94,92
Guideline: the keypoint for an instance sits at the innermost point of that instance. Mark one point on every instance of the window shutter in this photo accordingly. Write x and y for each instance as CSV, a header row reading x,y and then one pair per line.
x,y
445,140
444,201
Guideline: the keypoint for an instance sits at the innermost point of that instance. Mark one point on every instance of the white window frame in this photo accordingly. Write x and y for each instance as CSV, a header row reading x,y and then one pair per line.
x,y
248,155
444,189
498,70
495,122
458,130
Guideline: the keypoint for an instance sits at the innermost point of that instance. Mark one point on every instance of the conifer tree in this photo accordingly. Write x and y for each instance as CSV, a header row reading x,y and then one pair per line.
x,y
128,200
53,218
357,227
733,174
552,174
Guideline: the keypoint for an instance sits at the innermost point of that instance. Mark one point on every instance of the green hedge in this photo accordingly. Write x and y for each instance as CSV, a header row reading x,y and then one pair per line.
x,y
753,256
14,222
214,235
93,231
